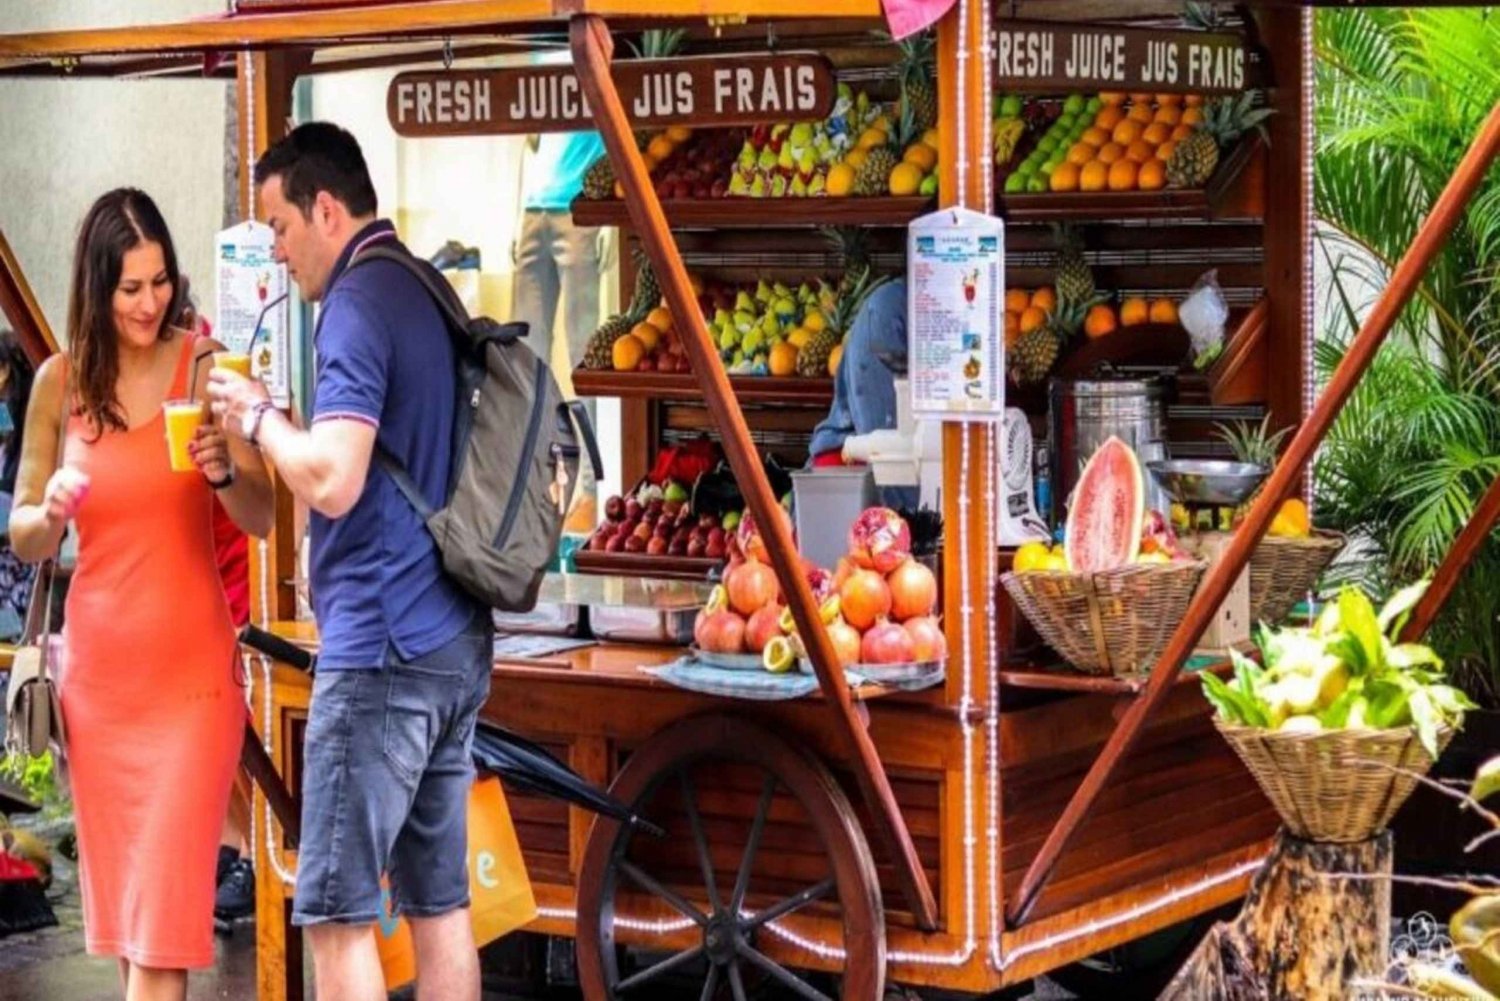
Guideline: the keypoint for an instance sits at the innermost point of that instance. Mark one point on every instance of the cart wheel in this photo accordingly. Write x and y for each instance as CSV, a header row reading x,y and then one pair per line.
x,y
702,870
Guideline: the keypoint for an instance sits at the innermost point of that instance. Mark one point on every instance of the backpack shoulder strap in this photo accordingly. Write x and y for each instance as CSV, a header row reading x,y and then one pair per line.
x,y
437,288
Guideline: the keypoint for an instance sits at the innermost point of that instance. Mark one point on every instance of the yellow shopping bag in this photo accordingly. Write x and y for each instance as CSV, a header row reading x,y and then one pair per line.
x,y
500,897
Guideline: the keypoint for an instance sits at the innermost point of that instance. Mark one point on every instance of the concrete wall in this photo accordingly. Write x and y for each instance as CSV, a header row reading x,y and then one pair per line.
x,y
65,142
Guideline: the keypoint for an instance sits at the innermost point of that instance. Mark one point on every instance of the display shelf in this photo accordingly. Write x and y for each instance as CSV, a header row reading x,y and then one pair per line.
x,y
1064,679
683,386
641,565
785,213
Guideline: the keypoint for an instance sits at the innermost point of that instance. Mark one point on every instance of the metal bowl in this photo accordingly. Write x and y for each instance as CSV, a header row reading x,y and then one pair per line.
x,y
1208,481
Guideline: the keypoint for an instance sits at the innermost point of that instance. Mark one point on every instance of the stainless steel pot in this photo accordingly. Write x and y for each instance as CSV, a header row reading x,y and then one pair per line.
x,y
1083,413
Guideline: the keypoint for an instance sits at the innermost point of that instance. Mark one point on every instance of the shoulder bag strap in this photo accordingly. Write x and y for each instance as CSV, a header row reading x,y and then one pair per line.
x,y
46,574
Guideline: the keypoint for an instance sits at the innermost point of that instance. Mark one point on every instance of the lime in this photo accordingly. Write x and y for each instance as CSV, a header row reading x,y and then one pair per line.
x,y
1047,143
1036,185
1064,123
1050,165
1092,106
1011,106
1015,183
1074,104
779,657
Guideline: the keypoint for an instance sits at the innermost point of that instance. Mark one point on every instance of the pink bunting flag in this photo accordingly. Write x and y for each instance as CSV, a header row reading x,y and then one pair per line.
x,y
907,17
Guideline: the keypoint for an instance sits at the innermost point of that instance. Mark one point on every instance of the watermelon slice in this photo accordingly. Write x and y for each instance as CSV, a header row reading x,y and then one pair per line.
x,y
1108,506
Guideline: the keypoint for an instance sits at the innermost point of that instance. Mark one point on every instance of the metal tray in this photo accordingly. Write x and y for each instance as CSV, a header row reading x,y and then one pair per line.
x,y
630,624
729,661
547,618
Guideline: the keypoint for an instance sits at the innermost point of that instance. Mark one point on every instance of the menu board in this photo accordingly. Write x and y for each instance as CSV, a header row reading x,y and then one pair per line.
x,y
956,284
253,304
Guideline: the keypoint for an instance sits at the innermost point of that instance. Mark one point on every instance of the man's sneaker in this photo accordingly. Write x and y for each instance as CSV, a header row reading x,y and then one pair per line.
x,y
236,895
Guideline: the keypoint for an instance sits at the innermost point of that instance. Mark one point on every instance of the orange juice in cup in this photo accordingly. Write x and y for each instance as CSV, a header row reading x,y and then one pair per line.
x,y
182,420
233,361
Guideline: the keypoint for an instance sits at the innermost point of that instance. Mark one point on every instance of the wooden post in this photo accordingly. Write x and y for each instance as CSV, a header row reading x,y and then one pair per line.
x,y
1305,933
19,306
1462,553
1430,237
591,44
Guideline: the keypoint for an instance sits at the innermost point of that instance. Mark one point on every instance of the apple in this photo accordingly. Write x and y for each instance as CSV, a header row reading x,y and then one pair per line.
x,y
656,506
706,521
616,543
614,509
657,546
695,547
714,550
677,547
632,509
635,544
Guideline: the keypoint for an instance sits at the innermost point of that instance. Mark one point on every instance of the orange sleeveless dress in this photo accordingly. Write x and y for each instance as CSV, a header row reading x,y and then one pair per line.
x,y
150,696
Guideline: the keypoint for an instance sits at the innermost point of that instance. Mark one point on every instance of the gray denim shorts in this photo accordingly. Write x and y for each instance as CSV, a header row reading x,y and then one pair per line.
x,y
386,783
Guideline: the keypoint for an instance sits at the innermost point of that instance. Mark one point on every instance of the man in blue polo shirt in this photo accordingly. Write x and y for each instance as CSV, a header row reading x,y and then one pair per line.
x,y
405,655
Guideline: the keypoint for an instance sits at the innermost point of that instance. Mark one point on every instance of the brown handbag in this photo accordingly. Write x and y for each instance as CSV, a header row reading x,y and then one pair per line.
x,y
33,710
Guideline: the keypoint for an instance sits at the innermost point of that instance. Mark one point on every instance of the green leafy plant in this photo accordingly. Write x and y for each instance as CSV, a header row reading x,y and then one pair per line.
x,y
1346,671
1401,94
37,777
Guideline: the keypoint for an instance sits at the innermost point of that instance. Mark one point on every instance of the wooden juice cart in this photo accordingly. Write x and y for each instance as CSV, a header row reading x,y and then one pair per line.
x,y
1015,820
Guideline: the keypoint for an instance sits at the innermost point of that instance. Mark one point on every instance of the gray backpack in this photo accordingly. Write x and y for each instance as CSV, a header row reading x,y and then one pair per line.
x,y
515,453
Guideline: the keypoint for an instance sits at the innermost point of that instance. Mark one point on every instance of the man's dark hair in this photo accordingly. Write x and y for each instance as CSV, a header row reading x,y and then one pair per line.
x,y
319,156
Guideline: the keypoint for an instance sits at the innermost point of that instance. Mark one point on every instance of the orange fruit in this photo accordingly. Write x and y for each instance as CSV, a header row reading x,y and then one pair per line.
x,y
1168,115
1112,98
1141,113
1163,311
1110,152
1064,178
1127,132
1031,319
1193,100
1134,312
1122,175
1016,299
1192,116
1157,133
1152,176
1181,132
1164,151
648,333
840,180
1080,153
1108,118
1140,98
783,360
1094,176
1099,322
619,189
627,353
1012,328
1169,100
1140,151
1044,299
660,318
921,154
661,147
1094,136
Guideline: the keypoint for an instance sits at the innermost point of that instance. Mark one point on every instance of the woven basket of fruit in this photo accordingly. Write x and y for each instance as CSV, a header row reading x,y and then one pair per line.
x,y
1340,720
1285,568
1109,621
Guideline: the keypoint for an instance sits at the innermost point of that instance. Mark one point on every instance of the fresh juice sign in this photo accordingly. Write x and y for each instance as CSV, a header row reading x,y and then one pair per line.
x,y
1033,55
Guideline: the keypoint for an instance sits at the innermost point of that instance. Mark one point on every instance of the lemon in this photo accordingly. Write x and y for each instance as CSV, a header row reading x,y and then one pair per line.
x,y
905,179
1300,724
814,321
1030,556
1154,557
718,600
834,357
1056,561
921,154
799,337
786,622
1291,521
829,610
840,179
871,138
779,657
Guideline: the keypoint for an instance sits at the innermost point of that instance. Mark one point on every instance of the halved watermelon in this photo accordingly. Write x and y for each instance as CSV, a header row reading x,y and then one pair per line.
x,y
1108,506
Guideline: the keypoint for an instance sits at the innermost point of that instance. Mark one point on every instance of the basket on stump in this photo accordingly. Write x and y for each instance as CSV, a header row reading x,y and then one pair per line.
x,y
1283,570
1112,621
1333,785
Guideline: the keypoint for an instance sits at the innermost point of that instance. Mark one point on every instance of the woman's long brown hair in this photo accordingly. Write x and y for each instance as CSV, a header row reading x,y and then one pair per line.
x,y
118,222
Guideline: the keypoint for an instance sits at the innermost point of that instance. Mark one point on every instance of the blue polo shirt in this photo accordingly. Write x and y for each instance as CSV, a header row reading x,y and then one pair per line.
x,y
384,358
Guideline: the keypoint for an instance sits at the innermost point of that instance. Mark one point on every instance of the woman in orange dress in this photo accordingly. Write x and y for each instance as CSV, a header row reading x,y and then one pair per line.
x,y
150,688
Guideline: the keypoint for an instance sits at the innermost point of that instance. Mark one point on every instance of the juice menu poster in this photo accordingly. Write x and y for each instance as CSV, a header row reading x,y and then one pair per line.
x,y
253,304
956,283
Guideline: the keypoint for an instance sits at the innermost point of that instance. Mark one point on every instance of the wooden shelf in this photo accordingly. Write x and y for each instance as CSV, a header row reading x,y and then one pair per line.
x,y
1064,679
683,386
760,213
642,565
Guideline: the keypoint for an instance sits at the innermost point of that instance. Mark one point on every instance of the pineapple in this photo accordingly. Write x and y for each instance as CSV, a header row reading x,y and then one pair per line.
x,y
851,244
1075,280
918,67
598,354
874,174
813,359
1224,120
599,182
1036,352
1251,443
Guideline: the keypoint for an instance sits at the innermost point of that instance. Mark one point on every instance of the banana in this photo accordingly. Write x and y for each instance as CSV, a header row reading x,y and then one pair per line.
x,y
1008,133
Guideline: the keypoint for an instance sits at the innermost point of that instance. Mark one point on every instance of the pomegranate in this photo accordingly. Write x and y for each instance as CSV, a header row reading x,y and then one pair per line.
x,y
927,639
763,627
913,591
749,536
821,582
887,643
879,539
846,642
752,586
721,632
864,598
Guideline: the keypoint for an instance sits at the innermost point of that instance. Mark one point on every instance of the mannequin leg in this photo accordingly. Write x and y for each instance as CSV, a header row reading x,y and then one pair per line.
x,y
535,285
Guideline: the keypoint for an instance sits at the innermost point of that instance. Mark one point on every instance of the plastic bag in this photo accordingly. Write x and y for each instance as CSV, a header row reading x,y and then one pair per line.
x,y
1203,315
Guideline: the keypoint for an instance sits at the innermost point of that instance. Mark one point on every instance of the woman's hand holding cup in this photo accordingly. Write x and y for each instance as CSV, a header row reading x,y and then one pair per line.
x,y
210,451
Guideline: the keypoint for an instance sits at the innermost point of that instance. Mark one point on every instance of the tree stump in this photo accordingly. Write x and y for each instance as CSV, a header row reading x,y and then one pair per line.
x,y
1304,933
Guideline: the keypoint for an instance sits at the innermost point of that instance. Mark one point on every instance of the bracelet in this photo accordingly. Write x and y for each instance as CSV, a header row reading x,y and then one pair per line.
x,y
259,415
226,481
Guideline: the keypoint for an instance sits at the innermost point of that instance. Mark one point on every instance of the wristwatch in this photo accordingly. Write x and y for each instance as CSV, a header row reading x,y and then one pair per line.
x,y
250,423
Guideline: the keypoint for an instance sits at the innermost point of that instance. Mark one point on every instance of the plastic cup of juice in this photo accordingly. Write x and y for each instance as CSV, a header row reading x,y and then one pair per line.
x,y
182,418
234,361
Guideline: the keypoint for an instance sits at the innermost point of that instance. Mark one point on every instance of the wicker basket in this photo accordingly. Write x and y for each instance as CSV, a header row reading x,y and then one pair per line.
x,y
1284,570
1111,622
1334,785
